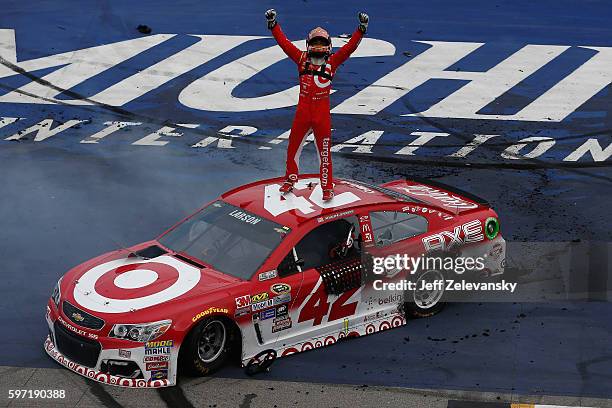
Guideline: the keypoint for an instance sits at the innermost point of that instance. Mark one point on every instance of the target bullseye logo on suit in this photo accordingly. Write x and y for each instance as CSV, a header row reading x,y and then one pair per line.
x,y
322,82
129,284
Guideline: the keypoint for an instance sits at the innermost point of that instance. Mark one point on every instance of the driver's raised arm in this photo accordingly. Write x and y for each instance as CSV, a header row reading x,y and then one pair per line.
x,y
347,49
287,46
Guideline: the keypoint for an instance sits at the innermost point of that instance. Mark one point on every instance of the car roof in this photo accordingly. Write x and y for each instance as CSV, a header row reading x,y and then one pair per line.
x,y
262,198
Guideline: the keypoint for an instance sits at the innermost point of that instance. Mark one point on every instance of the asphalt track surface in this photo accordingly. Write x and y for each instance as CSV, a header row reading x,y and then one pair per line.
x,y
63,202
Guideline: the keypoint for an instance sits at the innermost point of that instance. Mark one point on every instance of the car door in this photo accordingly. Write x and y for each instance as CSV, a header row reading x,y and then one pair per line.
x,y
274,314
324,272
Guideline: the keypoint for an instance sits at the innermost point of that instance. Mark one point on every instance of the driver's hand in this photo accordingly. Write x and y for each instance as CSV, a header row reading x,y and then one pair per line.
x,y
364,20
271,18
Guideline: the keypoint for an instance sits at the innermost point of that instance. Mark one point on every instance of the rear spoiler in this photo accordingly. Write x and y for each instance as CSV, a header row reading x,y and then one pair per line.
x,y
432,183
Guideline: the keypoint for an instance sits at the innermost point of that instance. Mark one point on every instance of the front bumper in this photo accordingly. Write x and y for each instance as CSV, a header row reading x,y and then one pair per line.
x,y
92,357
99,376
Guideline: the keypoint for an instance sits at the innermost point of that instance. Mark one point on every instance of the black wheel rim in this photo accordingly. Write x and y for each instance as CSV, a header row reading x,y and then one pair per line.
x,y
211,341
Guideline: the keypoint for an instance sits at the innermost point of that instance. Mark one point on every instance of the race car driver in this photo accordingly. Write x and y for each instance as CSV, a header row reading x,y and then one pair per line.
x,y
316,67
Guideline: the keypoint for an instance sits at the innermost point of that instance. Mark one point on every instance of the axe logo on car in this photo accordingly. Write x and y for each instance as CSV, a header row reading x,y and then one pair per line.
x,y
460,235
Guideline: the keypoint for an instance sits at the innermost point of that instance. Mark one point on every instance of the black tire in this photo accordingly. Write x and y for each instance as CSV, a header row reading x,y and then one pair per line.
x,y
207,347
419,304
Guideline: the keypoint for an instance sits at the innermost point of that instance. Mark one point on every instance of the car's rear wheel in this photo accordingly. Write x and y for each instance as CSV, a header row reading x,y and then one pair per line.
x,y
425,302
207,347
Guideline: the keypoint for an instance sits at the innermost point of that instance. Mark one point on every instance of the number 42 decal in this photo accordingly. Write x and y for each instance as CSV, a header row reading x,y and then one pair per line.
x,y
276,203
317,306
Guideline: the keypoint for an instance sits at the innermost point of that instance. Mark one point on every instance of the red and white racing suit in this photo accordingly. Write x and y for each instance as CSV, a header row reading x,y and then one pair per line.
x,y
313,106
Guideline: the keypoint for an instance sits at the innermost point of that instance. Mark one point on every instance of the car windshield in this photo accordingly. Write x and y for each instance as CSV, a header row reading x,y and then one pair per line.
x,y
230,239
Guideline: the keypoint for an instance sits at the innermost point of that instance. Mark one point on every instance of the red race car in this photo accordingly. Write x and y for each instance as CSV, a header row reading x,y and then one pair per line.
x,y
256,272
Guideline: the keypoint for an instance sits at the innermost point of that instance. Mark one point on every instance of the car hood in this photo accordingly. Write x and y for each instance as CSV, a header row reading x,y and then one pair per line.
x,y
120,283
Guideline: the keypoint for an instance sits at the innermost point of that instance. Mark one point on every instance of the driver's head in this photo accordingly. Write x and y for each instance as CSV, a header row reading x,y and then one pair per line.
x,y
318,45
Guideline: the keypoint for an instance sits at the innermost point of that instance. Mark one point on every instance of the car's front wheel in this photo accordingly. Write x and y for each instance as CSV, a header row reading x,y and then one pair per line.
x,y
206,347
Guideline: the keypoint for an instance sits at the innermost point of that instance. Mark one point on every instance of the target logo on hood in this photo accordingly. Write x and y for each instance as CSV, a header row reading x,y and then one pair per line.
x,y
129,284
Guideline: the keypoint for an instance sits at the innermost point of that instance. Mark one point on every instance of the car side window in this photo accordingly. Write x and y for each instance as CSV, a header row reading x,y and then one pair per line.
x,y
290,265
390,227
318,247
323,245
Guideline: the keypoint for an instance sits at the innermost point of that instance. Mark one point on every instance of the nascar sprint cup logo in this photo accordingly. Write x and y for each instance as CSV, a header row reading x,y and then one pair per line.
x,y
474,97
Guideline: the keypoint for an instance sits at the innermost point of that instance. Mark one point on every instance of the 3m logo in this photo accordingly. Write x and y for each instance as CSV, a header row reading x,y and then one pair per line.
x,y
243,301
